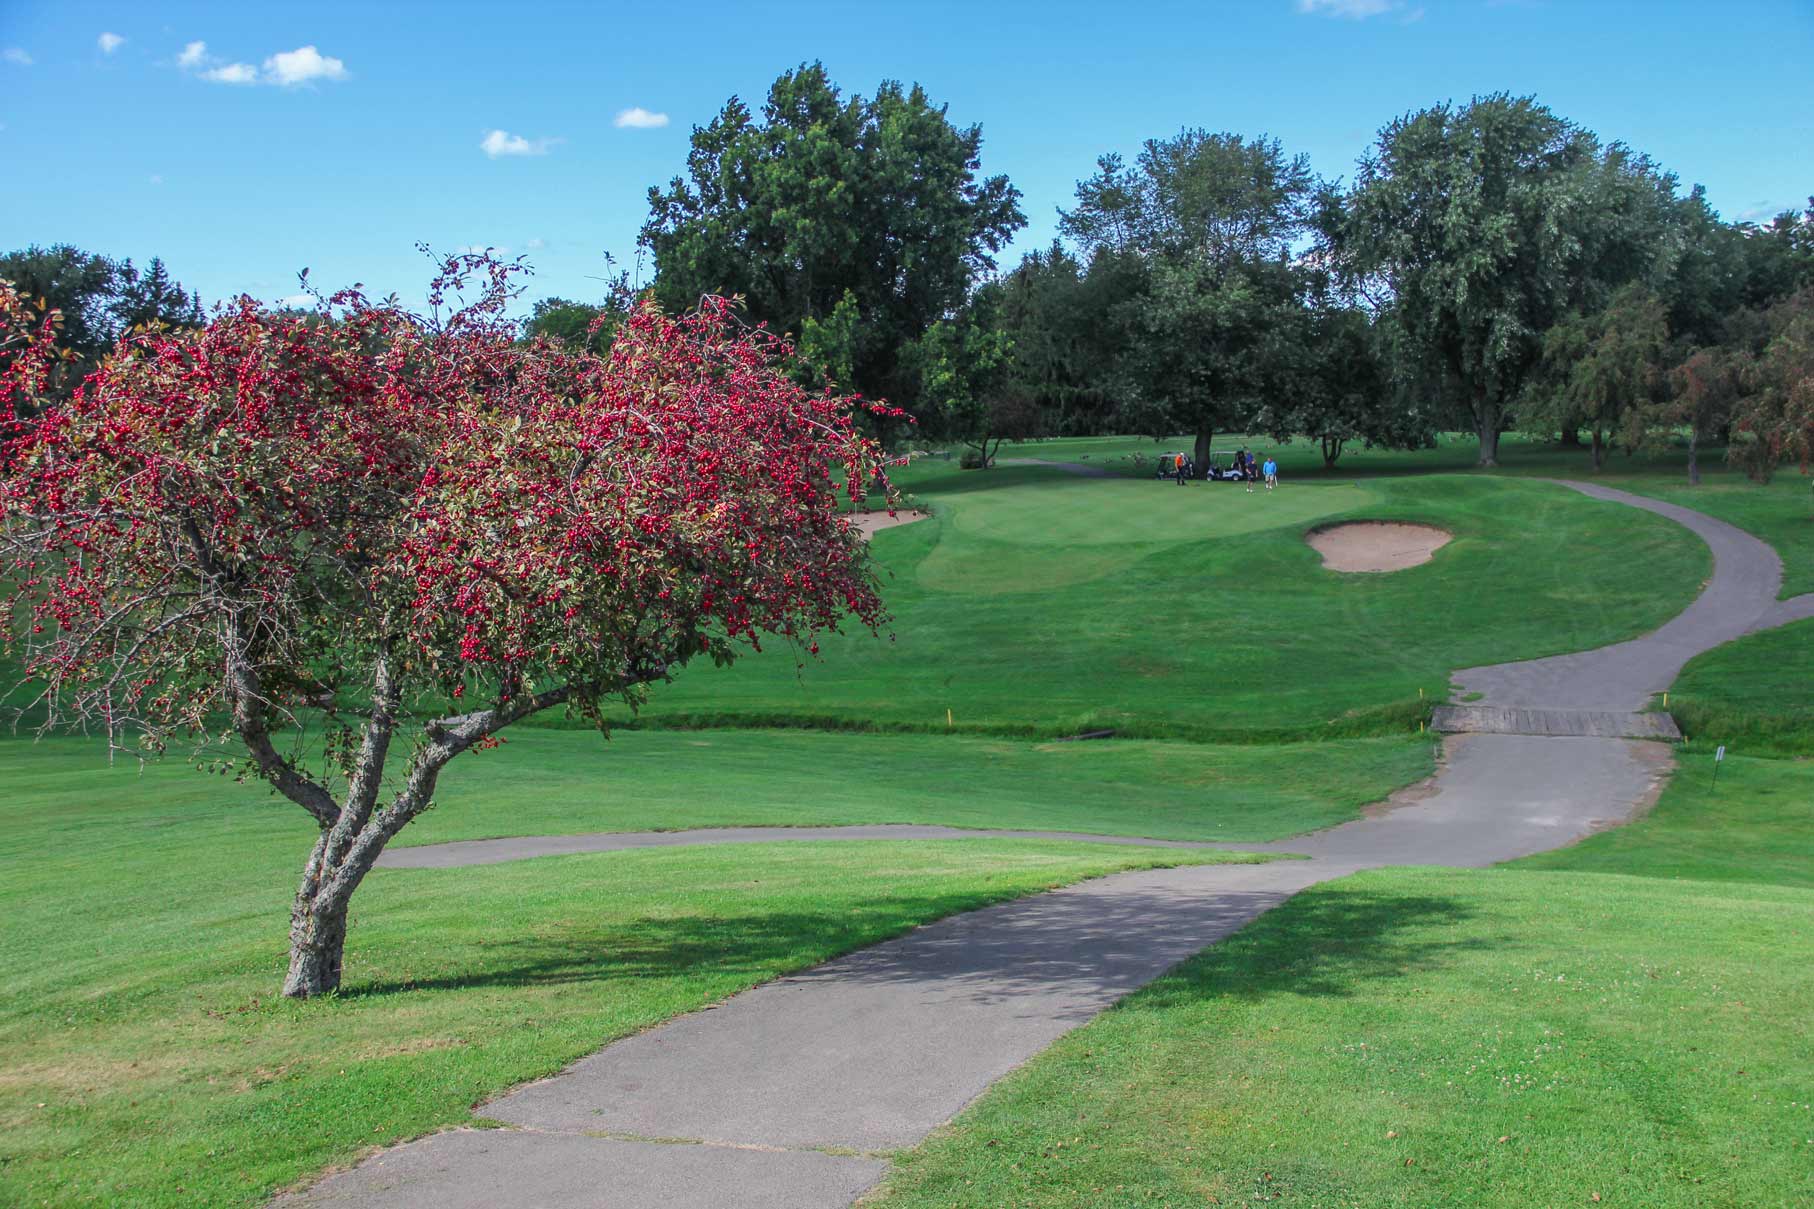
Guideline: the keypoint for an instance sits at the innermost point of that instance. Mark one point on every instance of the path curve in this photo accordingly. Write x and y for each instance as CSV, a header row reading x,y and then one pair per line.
x,y
787,1091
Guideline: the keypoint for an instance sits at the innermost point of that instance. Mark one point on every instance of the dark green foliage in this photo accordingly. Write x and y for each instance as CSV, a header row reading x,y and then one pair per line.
x,y
151,297
1604,371
1206,223
1344,388
876,204
99,301
1486,224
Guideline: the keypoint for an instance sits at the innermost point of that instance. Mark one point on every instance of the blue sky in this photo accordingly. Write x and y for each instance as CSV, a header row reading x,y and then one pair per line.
x,y
338,136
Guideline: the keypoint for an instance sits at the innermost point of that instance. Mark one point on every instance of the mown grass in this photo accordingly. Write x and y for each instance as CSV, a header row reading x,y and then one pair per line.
x,y
1042,603
1754,823
1780,512
1619,1022
544,782
1755,695
1426,1038
664,780
144,1061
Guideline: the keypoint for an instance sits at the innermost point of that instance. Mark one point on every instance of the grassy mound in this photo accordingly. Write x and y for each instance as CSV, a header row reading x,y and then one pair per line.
x,y
1586,1024
1756,695
1042,603
1428,1038
142,934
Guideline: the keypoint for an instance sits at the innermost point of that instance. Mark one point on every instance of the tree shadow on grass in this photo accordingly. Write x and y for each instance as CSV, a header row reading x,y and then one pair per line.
x,y
1087,946
1330,942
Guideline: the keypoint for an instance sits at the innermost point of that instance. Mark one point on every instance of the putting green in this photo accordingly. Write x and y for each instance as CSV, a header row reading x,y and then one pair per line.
x,y
1116,512
1003,542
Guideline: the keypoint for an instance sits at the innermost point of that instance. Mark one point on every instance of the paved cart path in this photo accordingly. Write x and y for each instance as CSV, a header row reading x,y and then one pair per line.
x,y
791,1094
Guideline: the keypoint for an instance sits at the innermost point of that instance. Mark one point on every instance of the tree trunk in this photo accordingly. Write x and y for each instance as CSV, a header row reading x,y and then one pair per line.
x,y
1599,449
317,943
1200,453
1486,427
1332,449
1571,437
1694,464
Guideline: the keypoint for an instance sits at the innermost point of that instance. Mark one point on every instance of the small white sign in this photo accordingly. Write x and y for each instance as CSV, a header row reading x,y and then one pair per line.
x,y
1720,754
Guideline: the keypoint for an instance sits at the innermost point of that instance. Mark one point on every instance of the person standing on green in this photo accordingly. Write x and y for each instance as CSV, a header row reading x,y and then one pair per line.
x,y
1271,470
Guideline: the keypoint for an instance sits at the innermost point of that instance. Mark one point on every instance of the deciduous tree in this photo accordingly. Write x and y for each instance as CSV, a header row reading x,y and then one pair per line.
x,y
1485,224
1605,371
1209,223
822,197
1774,423
413,531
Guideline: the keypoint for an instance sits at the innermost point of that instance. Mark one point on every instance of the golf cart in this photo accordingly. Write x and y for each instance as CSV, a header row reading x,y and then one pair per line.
x,y
1222,469
1168,465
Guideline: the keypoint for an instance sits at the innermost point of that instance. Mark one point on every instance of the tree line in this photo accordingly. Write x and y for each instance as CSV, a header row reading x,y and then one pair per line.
x,y
92,300
1491,267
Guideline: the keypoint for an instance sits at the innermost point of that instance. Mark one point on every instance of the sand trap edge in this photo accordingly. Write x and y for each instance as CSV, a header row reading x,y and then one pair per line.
x,y
871,523
1376,547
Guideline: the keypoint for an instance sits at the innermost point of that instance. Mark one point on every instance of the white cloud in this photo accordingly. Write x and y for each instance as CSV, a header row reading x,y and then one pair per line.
x,y
536,244
638,118
1352,10
501,142
478,249
156,179
303,65
13,54
297,301
231,73
285,69
109,43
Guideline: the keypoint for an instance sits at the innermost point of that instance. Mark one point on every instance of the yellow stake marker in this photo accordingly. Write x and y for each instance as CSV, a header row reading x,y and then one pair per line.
x,y
947,719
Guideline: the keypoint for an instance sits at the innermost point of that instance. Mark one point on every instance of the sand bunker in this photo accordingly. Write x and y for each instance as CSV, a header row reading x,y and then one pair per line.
x,y
871,523
1376,545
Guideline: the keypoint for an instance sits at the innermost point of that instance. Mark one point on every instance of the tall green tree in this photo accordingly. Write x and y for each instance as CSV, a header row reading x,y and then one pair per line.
x,y
1606,371
820,197
152,297
1209,223
97,301
1052,307
81,286
1344,389
1486,224
1774,422
1704,389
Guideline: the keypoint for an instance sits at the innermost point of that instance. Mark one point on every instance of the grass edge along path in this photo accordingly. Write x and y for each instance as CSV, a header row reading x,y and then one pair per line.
x,y
180,1081
1752,694
1621,1018
1427,1037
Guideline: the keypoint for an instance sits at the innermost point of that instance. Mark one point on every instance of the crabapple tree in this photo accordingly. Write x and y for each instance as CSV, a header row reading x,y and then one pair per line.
x,y
408,531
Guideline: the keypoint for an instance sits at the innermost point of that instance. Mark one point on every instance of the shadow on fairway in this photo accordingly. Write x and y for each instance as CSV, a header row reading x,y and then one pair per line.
x,y
1053,945
751,945
1327,942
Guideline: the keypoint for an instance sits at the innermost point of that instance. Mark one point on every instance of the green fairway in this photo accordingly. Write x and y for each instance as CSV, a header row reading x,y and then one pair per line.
x,y
142,937
1780,512
546,782
1755,824
1428,1038
1755,695
1045,603
1625,1017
